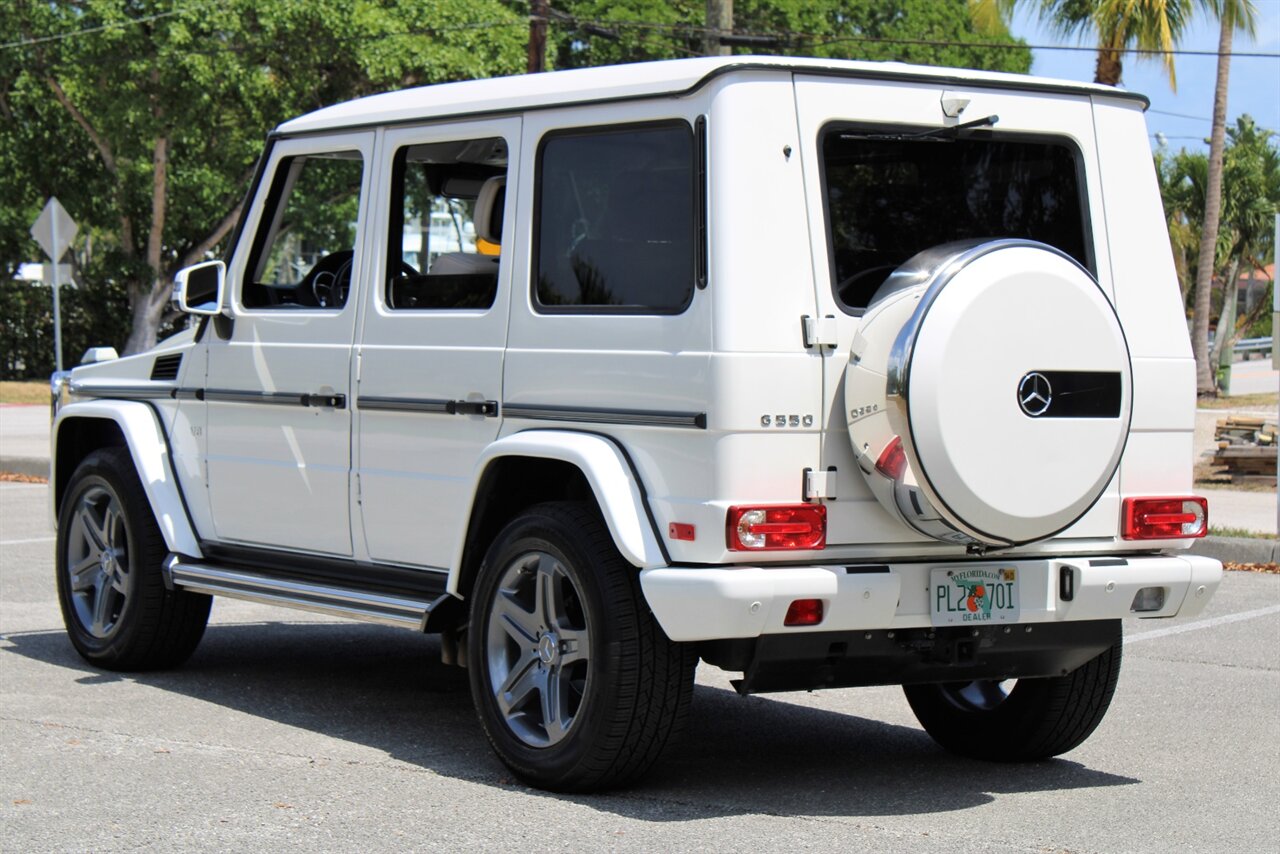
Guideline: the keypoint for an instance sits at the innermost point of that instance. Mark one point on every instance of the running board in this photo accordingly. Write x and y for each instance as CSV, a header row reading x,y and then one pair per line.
x,y
307,596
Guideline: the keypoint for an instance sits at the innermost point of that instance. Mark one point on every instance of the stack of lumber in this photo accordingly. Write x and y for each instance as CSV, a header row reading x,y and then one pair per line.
x,y
1247,448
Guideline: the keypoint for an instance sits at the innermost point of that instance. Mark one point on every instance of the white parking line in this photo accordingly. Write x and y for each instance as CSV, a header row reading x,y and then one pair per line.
x,y
24,542
1203,624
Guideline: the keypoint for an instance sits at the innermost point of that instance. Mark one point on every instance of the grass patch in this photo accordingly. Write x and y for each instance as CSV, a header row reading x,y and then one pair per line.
x,y
1239,532
1270,399
24,392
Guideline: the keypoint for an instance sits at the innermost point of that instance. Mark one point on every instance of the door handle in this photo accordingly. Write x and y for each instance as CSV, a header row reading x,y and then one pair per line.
x,y
332,401
487,408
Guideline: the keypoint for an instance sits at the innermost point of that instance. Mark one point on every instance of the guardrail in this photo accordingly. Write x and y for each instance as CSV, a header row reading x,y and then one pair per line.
x,y
1245,346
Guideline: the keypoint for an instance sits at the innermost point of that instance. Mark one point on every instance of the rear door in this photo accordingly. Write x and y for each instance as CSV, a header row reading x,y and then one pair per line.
x,y
430,360
882,185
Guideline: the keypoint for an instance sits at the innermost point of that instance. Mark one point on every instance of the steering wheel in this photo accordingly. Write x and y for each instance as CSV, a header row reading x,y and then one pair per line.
x,y
331,279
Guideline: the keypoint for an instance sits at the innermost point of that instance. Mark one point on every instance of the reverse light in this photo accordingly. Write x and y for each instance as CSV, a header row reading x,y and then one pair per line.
x,y
804,612
893,459
777,528
1165,518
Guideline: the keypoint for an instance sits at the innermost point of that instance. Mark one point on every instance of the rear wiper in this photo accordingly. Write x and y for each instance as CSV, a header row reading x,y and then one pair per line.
x,y
939,134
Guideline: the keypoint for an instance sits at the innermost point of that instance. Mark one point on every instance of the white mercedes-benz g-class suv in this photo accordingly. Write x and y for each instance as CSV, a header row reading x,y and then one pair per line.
x,y
828,373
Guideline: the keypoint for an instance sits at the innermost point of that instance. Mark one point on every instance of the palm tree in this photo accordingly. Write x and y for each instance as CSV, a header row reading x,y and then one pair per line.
x,y
1232,15
1118,26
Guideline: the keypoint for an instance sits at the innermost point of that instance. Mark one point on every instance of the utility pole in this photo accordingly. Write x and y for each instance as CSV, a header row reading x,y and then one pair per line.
x,y
538,35
719,20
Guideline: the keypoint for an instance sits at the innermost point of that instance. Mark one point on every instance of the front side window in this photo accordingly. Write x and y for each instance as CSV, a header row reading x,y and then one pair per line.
x,y
889,196
615,220
445,243
305,248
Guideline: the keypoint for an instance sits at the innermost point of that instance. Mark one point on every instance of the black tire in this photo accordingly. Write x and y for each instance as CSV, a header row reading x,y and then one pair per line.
x,y
612,690
118,612
1036,719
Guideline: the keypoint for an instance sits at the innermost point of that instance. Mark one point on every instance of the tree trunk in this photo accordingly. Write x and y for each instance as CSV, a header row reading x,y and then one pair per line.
x,y
1225,337
146,313
1108,68
1212,215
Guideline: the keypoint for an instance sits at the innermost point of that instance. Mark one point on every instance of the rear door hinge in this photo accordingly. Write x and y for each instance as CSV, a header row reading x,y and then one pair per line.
x,y
819,332
820,484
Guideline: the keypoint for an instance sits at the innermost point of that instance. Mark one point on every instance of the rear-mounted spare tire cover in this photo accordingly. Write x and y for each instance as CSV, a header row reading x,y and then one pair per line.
x,y
988,393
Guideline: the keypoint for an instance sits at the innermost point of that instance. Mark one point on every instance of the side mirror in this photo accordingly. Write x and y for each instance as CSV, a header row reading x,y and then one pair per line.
x,y
198,289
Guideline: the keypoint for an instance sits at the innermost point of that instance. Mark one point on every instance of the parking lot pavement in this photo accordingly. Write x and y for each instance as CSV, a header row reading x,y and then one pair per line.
x,y
286,731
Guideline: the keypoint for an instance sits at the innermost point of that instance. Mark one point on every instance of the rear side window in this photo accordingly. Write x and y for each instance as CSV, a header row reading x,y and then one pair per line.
x,y
445,240
614,227
889,196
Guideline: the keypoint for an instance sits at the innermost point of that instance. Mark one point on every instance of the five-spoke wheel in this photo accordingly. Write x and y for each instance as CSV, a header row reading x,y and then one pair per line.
x,y
538,649
98,561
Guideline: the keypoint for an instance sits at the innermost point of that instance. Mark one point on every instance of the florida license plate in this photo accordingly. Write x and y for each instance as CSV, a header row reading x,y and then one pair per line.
x,y
985,594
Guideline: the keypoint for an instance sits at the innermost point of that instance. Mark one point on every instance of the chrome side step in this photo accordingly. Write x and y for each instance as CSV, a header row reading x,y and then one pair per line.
x,y
307,596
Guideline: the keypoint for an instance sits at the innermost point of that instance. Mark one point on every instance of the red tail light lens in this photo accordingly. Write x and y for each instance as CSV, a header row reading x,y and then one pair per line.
x,y
777,528
1165,518
892,459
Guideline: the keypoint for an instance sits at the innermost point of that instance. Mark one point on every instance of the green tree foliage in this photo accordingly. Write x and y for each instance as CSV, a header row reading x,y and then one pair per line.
x,y
145,117
931,32
1116,26
1246,227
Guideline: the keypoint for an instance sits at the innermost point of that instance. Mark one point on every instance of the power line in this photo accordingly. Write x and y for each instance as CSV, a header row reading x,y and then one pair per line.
x,y
1178,115
595,26
115,25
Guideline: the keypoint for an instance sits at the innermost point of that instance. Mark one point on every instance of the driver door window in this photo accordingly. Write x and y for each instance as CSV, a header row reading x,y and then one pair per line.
x,y
304,252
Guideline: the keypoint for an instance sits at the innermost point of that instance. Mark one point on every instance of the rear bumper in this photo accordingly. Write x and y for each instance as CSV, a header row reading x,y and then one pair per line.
x,y
715,603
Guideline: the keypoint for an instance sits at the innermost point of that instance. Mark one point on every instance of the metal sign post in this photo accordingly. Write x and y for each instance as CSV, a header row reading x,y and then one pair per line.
x,y
54,230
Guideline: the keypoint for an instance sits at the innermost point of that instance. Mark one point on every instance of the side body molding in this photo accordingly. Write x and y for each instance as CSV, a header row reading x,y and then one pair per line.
x,y
610,475
150,451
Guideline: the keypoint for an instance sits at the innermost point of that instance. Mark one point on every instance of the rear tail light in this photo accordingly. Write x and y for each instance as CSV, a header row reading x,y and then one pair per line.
x,y
777,528
1165,518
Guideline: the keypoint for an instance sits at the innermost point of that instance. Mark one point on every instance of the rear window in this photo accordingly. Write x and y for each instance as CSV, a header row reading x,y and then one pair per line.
x,y
614,226
889,196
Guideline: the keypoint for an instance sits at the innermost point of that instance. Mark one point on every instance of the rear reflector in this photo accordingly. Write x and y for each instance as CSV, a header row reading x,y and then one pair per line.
x,y
892,459
682,531
777,528
1165,518
804,612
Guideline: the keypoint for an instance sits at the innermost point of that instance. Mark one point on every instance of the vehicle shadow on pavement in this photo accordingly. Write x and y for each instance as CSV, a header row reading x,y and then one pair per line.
x,y
386,689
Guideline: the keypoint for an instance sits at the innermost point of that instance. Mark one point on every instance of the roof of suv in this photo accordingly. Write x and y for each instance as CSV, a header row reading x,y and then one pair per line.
x,y
637,80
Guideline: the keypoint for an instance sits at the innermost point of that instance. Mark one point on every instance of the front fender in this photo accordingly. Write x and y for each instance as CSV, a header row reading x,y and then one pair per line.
x,y
608,472
149,448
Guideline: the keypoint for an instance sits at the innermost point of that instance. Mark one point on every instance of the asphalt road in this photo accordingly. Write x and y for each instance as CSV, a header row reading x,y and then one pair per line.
x,y
287,732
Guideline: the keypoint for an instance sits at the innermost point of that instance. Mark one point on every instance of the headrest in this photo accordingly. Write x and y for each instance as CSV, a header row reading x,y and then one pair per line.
x,y
489,205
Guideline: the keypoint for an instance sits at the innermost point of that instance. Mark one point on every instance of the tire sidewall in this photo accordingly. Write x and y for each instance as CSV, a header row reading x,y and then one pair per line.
x,y
564,759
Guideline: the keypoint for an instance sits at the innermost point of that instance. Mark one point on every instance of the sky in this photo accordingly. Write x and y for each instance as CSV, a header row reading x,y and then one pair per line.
x,y
1183,117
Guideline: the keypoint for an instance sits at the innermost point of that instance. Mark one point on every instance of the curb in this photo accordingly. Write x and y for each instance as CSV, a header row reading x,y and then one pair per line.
x,y
1239,549
32,466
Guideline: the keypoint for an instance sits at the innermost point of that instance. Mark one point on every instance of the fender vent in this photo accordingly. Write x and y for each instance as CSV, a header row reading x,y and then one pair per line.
x,y
166,367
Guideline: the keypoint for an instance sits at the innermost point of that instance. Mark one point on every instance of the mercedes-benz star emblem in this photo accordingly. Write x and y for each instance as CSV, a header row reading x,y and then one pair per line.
x,y
1035,394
